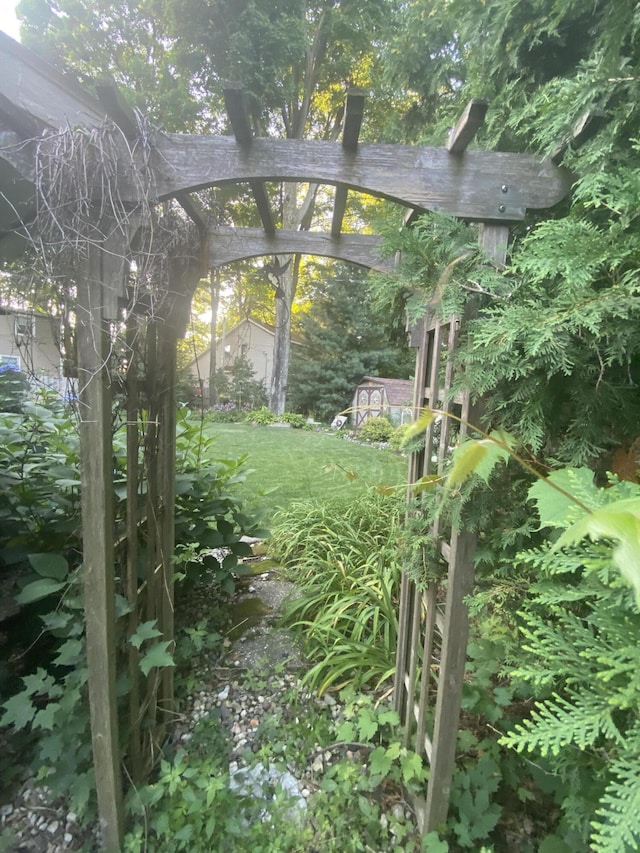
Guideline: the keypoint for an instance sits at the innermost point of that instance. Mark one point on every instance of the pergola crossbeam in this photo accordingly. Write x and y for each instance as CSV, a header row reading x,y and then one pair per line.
x,y
583,130
227,245
354,112
117,107
239,118
468,125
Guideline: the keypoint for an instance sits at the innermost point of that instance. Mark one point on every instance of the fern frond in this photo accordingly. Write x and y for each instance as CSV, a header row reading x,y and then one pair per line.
x,y
559,722
617,828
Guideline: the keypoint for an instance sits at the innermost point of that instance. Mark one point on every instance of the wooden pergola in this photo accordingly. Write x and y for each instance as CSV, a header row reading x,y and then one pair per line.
x,y
494,189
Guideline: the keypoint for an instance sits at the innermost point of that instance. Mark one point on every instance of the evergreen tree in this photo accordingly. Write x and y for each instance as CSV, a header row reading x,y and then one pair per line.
x,y
344,341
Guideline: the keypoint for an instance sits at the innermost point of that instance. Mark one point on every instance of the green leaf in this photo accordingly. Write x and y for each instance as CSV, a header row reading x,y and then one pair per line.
x,y
411,767
156,655
380,762
619,521
69,653
557,509
418,426
50,565
434,844
18,711
346,732
144,631
45,719
466,458
37,590
480,457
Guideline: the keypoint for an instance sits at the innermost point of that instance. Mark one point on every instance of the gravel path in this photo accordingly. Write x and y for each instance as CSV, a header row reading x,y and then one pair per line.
x,y
34,822
246,690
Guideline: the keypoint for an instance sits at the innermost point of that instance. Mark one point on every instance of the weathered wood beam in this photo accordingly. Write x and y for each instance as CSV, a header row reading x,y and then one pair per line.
x,y
96,465
584,129
19,119
50,98
238,116
117,107
194,210
468,125
236,106
482,185
354,112
227,245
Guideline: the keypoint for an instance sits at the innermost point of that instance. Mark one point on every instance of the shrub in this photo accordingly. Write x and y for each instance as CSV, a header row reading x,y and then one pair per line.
x,y
376,429
262,417
295,420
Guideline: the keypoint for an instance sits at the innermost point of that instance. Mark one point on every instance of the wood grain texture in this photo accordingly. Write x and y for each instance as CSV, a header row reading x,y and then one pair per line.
x,y
482,185
227,245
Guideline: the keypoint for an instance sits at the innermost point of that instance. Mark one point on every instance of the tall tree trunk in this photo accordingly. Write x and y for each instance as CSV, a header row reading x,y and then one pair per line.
x,y
214,284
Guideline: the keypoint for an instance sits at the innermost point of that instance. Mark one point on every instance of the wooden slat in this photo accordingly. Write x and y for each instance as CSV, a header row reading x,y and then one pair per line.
x,y
132,521
98,556
194,210
427,178
227,245
584,129
239,118
354,112
452,667
236,106
468,125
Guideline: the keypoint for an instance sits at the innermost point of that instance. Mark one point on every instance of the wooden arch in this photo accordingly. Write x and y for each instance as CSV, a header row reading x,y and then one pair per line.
x,y
492,188
227,245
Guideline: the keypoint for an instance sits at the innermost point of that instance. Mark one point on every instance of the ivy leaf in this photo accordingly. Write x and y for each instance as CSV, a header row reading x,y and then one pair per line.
x,y
411,767
37,590
367,725
346,732
156,655
50,565
418,426
144,631
18,711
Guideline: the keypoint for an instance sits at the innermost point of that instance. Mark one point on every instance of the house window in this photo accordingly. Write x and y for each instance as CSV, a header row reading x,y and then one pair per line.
x,y
24,327
9,362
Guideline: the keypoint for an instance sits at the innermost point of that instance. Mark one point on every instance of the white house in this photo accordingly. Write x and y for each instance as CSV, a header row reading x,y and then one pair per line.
x,y
29,342
249,338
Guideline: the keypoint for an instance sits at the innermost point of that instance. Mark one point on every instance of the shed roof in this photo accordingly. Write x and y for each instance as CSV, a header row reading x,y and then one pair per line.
x,y
399,391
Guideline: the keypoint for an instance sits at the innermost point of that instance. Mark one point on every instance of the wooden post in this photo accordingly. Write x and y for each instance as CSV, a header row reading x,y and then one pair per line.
x,y
135,752
493,240
167,357
98,538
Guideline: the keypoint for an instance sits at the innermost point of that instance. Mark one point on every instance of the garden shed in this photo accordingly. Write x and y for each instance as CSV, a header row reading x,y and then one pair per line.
x,y
376,396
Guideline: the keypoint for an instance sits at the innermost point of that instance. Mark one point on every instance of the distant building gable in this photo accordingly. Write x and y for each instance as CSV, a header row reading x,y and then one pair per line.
x,y
249,338
376,396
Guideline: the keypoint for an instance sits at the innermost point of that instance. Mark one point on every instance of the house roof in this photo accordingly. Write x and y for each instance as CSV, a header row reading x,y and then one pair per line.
x,y
399,391
267,327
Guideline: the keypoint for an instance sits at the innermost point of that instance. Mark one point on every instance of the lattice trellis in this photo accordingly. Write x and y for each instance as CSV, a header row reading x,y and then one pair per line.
x,y
433,621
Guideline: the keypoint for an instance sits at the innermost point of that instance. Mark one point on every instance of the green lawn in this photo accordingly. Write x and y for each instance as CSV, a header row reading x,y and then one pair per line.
x,y
289,465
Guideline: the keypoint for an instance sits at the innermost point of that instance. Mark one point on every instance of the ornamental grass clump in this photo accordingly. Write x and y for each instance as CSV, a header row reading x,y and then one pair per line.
x,y
344,559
